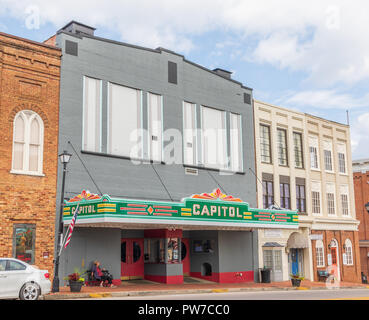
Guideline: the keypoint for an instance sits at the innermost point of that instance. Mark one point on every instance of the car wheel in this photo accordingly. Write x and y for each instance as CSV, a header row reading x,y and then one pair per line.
x,y
30,291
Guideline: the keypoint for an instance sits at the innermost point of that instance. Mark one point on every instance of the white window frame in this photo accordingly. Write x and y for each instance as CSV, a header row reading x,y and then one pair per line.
x,y
344,190
331,190
349,253
319,250
192,132
99,144
316,187
232,164
149,129
328,146
314,144
26,144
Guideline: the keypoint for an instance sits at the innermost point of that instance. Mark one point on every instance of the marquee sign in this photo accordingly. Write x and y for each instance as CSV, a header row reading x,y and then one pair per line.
x,y
213,207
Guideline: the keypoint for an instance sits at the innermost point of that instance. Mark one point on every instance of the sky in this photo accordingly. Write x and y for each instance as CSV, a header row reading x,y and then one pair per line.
x,y
311,56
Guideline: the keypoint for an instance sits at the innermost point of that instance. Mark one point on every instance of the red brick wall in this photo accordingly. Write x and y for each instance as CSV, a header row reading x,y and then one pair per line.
x,y
348,273
29,80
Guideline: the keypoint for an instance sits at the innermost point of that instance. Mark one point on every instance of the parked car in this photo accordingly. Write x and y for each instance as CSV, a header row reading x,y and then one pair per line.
x,y
20,280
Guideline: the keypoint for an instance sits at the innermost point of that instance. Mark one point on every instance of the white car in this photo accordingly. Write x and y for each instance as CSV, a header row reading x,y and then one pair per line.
x,y
20,280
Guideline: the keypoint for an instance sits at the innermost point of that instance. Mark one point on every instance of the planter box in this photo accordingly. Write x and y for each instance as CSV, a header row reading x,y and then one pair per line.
x,y
75,286
295,282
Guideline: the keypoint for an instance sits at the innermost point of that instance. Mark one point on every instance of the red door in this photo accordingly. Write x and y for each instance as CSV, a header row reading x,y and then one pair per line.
x,y
334,261
185,253
132,262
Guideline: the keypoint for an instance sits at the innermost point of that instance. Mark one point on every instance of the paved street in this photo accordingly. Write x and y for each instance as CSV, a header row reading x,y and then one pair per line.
x,y
354,294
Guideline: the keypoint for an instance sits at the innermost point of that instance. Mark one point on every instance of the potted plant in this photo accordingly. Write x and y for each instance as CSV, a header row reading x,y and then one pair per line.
x,y
75,280
296,279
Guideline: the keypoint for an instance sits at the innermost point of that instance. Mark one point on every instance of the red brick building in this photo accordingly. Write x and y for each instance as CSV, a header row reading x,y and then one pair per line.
x,y
29,115
361,185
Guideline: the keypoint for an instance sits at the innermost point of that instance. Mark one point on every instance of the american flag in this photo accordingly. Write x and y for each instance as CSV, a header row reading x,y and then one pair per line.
x,y
71,226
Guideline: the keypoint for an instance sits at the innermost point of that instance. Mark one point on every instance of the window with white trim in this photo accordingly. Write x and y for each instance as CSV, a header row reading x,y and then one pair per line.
x,y
319,251
92,114
315,197
348,251
341,149
236,143
328,163
313,149
28,140
282,147
345,200
155,127
297,145
330,191
214,141
265,149
190,133
124,121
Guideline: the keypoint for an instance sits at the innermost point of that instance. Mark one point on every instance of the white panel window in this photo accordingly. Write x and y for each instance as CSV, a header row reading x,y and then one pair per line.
x,y
341,149
348,251
328,163
330,191
315,197
214,144
314,152
92,115
155,127
189,133
344,191
319,250
28,140
124,121
236,142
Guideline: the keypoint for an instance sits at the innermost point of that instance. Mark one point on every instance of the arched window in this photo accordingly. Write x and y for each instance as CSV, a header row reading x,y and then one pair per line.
x,y
28,141
319,249
348,251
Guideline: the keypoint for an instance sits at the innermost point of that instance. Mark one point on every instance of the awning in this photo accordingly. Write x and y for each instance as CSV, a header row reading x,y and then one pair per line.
x,y
272,245
297,241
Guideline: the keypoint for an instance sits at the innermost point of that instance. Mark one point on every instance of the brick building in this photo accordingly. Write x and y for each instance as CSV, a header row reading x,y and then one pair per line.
x,y
361,185
29,115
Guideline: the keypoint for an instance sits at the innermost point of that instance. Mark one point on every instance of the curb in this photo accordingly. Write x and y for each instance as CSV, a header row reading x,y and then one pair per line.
x,y
176,292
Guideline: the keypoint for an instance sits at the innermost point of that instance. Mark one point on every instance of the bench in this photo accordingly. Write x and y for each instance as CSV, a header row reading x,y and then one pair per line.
x,y
323,274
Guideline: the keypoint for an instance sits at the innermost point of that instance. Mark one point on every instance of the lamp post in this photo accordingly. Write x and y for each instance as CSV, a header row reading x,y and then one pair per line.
x,y
64,159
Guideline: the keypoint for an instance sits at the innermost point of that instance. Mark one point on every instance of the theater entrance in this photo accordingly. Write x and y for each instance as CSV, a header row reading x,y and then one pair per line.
x,y
132,259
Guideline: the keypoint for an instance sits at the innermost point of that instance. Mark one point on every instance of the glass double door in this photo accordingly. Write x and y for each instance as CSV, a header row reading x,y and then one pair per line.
x,y
132,260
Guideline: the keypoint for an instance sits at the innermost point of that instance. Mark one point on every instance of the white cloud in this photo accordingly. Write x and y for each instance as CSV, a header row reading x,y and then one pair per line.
x,y
360,137
327,41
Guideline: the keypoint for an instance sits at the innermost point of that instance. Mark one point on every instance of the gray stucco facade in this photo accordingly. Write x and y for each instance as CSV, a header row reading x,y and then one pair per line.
x,y
147,70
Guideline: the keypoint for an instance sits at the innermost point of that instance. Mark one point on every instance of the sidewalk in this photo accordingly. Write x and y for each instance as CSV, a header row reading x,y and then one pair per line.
x,y
151,288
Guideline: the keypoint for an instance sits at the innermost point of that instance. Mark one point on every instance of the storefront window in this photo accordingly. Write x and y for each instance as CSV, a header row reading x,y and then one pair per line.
x,y
154,251
24,243
173,252
203,246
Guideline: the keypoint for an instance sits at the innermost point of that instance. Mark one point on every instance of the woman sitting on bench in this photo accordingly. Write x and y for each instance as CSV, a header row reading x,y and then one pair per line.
x,y
102,274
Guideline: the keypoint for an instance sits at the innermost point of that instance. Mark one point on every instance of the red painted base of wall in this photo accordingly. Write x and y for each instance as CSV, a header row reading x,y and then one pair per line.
x,y
227,277
165,279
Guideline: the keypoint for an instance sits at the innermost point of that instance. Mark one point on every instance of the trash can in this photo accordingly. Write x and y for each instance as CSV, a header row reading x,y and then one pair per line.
x,y
265,275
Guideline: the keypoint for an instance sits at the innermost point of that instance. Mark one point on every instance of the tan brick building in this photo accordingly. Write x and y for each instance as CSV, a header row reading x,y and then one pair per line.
x,y
29,115
304,164
361,185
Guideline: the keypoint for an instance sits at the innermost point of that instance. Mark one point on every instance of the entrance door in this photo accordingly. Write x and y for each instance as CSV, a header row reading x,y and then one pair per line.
x,y
132,262
296,261
334,261
185,257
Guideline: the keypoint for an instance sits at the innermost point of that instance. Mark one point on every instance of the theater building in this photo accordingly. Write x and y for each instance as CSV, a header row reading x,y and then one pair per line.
x,y
304,164
149,129
29,107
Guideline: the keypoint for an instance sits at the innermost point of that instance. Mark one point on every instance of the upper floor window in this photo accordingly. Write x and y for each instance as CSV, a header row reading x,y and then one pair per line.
x,y
155,127
124,121
328,163
28,139
92,114
330,188
313,148
189,133
297,144
341,148
236,143
315,197
282,147
268,194
300,198
344,191
265,152
285,195
214,141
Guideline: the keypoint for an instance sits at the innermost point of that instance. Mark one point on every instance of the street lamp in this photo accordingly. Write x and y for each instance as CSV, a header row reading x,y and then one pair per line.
x,y
367,207
64,159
